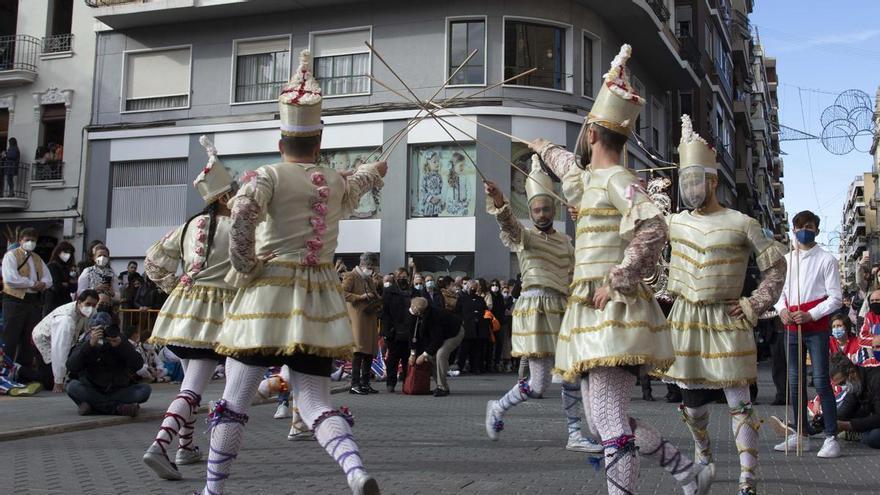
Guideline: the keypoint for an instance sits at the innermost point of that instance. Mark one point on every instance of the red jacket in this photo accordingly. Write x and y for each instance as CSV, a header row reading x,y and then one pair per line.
x,y
864,355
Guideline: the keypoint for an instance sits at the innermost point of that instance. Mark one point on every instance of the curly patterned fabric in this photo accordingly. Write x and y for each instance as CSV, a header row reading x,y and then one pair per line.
x,y
511,229
768,291
165,279
697,421
539,371
609,395
640,256
242,237
670,458
745,425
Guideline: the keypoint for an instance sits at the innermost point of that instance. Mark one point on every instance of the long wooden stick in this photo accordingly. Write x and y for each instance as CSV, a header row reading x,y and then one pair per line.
x,y
800,385
787,363
490,88
506,159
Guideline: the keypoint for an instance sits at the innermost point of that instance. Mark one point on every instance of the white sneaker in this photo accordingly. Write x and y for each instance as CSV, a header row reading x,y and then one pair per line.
x,y
298,431
792,444
188,456
363,484
493,421
830,449
156,460
283,411
704,478
579,443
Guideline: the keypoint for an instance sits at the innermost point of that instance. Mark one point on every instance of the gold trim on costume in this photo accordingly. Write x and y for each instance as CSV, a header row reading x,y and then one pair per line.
x,y
203,293
742,325
580,367
677,280
296,265
286,316
584,248
603,262
180,316
713,384
599,212
597,229
704,250
560,265
738,231
721,275
617,324
723,261
532,355
537,311
341,352
716,355
190,343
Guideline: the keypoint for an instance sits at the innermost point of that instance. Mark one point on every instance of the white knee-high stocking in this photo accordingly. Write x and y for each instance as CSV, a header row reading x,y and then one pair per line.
x,y
609,394
670,458
181,414
745,432
539,379
228,420
572,405
697,421
332,427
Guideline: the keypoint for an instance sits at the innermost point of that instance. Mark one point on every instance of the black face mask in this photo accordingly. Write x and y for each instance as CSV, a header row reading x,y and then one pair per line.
x,y
403,283
875,307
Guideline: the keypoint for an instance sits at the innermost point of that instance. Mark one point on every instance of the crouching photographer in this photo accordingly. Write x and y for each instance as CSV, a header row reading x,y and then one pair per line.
x,y
105,363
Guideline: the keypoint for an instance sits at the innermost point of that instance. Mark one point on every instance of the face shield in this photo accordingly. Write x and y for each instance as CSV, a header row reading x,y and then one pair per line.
x,y
692,187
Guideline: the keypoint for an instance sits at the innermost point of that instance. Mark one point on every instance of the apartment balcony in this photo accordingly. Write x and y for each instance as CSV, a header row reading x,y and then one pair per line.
x,y
722,76
779,187
18,59
52,170
690,51
58,44
16,188
657,47
125,14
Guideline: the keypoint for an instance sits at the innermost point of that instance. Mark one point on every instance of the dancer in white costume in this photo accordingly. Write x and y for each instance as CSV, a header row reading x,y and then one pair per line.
x,y
289,308
712,326
277,384
613,326
546,261
194,312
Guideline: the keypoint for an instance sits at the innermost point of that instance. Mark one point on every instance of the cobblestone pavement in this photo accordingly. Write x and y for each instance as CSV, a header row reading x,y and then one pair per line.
x,y
419,445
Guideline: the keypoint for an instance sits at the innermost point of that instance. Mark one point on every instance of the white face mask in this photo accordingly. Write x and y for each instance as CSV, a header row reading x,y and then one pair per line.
x,y
65,257
494,288
419,286
102,261
367,271
29,245
386,284
87,311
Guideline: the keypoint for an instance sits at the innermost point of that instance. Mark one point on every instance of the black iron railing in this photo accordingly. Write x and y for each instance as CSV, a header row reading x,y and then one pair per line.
x,y
58,43
14,177
690,51
48,170
105,3
660,9
19,52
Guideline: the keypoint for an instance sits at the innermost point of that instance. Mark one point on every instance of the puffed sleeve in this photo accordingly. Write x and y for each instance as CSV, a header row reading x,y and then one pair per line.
x,y
767,251
563,164
248,210
162,260
363,180
632,201
513,235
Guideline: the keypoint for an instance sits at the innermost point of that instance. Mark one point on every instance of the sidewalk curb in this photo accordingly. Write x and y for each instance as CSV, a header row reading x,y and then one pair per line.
x,y
104,421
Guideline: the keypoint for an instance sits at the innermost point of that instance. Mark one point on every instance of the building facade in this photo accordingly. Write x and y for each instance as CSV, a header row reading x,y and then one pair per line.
x,y
858,226
217,70
46,69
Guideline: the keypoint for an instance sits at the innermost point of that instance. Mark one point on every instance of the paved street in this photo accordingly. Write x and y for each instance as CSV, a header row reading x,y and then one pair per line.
x,y
415,445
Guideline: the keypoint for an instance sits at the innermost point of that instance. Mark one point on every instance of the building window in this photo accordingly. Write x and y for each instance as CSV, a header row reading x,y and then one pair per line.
x,y
49,158
350,159
589,65
442,182
262,67
157,80
528,45
342,62
149,193
658,127
683,21
464,37
642,119
444,264
60,18
686,104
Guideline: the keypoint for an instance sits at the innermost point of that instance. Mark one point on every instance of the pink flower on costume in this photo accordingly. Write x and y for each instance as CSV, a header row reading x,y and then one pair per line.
x,y
315,244
197,265
186,280
317,222
201,236
312,259
318,179
249,176
200,251
320,208
201,222
320,230
323,192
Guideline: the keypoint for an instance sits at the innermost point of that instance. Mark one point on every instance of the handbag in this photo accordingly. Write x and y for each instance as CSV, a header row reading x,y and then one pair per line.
x,y
418,379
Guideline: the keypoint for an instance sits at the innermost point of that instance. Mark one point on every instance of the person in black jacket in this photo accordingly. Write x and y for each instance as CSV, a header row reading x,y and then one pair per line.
x,y
395,327
62,267
471,308
105,364
860,410
436,334
433,294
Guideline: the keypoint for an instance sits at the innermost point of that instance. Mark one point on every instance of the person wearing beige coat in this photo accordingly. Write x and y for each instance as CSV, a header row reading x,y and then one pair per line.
x,y
360,289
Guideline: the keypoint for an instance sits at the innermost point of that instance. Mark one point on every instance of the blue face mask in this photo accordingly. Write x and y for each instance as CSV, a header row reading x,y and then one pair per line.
x,y
838,332
805,236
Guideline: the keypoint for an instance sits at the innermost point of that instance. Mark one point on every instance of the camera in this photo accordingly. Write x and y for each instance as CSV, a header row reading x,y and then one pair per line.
x,y
107,279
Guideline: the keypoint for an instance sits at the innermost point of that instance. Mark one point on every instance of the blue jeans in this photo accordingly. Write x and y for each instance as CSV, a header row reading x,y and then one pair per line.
x,y
105,403
816,343
872,438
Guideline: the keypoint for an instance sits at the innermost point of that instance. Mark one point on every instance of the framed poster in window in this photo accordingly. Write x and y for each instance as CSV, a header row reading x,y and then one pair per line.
x,y
442,181
348,159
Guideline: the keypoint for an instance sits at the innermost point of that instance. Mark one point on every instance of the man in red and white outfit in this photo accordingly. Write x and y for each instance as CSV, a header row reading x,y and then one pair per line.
x,y
810,295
